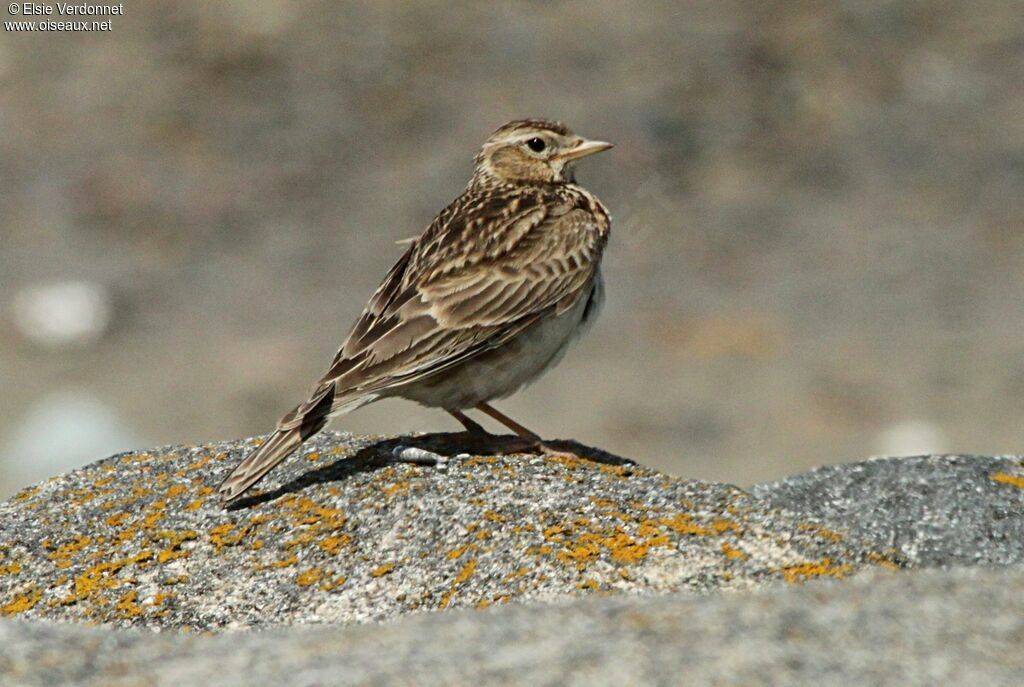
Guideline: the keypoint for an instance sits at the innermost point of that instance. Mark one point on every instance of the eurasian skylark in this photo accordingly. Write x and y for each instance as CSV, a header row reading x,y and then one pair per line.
x,y
486,300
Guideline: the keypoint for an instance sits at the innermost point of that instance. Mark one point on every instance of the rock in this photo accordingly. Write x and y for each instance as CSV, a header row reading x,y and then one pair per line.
x,y
352,535
935,510
934,627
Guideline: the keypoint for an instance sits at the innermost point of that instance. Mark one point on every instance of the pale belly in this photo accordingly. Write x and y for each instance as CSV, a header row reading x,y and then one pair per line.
x,y
503,371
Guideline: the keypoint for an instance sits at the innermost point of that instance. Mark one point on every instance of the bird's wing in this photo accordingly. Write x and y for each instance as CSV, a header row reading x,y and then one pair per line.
x,y
484,272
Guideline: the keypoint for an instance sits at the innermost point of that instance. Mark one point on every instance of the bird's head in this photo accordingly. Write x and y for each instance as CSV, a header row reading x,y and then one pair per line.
x,y
532,151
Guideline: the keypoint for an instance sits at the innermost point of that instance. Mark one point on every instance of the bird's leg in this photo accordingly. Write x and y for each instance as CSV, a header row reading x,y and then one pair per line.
x,y
531,440
474,428
521,432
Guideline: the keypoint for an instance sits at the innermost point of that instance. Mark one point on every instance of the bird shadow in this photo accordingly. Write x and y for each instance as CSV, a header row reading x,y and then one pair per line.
x,y
381,454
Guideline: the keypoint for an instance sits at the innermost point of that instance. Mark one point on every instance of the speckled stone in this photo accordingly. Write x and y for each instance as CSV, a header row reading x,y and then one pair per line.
x,y
345,533
935,510
925,628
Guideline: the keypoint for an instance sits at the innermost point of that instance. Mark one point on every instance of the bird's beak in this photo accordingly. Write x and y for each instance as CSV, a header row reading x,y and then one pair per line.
x,y
584,148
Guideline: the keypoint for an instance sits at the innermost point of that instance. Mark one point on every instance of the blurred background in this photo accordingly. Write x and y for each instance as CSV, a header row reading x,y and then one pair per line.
x,y
817,251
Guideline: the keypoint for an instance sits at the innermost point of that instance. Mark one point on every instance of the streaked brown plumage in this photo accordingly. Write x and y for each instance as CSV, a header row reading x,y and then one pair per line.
x,y
480,304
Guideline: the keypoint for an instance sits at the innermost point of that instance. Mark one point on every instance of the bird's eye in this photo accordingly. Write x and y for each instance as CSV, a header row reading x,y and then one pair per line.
x,y
536,144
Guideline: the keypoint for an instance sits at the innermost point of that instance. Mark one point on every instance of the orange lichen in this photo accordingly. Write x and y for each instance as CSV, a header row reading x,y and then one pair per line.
x,y
62,556
303,538
328,585
579,554
517,573
625,549
10,569
202,461
302,510
467,571
1004,478
823,532
309,577
652,535
177,579
126,606
175,540
396,488
220,537
721,526
162,597
27,493
334,545
312,456
554,533
591,585
382,570
176,490
684,524
22,602
283,563
194,505
734,553
101,576
882,561
456,553
805,571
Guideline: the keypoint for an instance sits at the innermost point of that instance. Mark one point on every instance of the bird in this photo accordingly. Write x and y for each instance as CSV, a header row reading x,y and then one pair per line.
x,y
483,302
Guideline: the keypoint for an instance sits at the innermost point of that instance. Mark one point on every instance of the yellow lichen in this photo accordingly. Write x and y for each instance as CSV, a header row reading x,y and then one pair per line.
x,y
283,563
684,524
467,571
221,535
882,561
175,540
22,602
1005,478
805,571
823,532
517,573
27,493
309,577
589,585
101,576
734,553
328,585
334,545
126,606
457,553
396,488
625,549
579,554
176,490
382,570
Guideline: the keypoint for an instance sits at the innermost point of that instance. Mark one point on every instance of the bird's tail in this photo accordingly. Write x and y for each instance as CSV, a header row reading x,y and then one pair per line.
x,y
294,428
